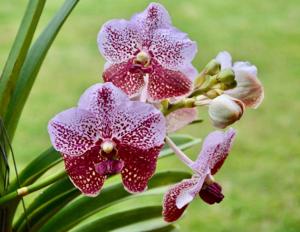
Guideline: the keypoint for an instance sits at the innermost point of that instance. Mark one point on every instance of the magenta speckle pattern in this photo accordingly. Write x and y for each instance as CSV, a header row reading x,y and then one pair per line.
x,y
171,52
170,211
104,112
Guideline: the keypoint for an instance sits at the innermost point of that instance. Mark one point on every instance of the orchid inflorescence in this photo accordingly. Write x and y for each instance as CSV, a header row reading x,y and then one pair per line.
x,y
151,89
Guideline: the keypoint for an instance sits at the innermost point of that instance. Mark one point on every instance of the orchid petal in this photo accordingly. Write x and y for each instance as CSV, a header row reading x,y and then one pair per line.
x,y
249,89
121,76
215,150
139,166
224,58
165,83
73,131
180,118
103,100
144,126
118,40
131,122
155,16
172,48
171,212
82,171
188,194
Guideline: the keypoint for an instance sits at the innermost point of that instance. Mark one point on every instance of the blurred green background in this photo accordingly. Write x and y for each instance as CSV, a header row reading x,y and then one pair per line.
x,y
261,177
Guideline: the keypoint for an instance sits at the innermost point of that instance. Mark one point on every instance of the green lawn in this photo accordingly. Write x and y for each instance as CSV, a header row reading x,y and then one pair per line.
x,y
261,177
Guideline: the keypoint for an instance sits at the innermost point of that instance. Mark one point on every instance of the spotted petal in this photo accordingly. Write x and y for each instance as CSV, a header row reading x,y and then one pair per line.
x,y
171,211
118,40
139,166
121,76
140,147
249,89
172,48
82,172
180,118
215,150
155,16
166,83
73,131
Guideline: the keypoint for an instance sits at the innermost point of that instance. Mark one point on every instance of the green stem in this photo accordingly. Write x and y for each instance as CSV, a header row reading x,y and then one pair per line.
x,y
31,188
185,103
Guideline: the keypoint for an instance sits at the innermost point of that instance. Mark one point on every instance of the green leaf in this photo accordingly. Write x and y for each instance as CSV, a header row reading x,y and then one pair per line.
x,y
154,225
120,219
184,142
37,168
47,204
18,51
32,65
83,207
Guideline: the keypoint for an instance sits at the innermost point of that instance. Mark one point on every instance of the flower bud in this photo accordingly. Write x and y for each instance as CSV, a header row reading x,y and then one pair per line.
x,y
212,68
225,110
226,76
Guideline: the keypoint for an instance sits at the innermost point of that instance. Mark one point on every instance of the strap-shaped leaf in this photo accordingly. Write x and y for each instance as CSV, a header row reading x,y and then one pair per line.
x,y
121,219
84,207
154,225
19,50
48,202
32,65
36,168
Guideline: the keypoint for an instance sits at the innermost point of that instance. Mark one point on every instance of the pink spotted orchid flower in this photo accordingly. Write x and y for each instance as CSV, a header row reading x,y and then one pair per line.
x,y
146,56
249,89
212,156
107,134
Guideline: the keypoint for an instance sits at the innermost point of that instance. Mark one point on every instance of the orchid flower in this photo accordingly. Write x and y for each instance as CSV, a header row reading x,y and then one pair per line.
x,y
146,56
107,134
249,89
212,156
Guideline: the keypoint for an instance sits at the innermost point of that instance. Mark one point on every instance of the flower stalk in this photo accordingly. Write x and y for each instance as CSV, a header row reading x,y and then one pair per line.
x,y
23,191
178,152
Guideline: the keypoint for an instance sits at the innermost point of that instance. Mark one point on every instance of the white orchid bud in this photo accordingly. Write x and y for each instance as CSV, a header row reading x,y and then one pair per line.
x,y
225,110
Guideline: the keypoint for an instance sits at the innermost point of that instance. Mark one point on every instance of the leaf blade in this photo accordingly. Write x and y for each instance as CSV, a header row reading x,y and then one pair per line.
x,y
85,207
32,65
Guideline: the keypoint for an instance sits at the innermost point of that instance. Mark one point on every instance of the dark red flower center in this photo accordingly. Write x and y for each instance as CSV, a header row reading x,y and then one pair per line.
x,y
112,165
212,193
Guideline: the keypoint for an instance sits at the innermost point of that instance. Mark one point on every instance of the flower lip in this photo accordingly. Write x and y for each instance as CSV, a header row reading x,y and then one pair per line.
x,y
212,193
109,167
